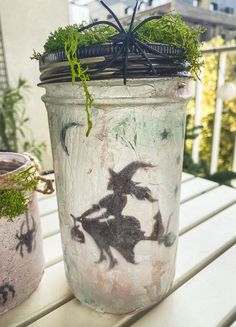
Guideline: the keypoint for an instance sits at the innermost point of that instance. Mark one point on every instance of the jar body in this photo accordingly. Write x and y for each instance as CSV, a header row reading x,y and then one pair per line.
x,y
118,189
21,255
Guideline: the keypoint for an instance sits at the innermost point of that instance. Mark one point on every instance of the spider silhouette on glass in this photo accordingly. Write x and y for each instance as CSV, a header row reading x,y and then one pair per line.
x,y
127,39
5,289
26,238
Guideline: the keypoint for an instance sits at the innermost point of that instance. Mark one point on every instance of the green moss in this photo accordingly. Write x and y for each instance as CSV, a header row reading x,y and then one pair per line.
x,y
13,198
77,71
12,203
171,29
24,180
95,35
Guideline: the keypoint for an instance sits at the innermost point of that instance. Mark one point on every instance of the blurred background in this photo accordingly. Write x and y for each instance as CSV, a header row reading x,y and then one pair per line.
x,y
210,147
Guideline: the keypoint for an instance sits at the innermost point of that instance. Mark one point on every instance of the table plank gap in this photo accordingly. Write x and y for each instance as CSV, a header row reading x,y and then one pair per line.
x,y
52,250
42,197
52,292
194,187
233,323
205,206
229,319
204,219
49,212
203,244
186,277
186,177
45,312
48,206
50,224
73,313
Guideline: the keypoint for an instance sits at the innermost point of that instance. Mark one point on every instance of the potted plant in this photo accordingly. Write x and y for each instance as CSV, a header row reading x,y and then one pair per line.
x,y
118,168
21,253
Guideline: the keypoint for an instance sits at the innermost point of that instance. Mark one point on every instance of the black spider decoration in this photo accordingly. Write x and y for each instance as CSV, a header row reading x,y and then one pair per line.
x,y
26,239
128,39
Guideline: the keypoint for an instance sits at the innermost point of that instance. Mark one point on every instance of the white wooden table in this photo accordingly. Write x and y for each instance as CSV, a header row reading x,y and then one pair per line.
x,y
204,291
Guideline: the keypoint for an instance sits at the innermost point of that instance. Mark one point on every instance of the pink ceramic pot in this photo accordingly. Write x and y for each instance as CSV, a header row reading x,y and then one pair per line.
x,y
21,254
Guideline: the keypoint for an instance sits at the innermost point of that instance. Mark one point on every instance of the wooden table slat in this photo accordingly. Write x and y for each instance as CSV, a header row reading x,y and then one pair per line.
x,y
48,205
203,301
204,206
74,314
52,250
194,187
50,224
53,291
201,244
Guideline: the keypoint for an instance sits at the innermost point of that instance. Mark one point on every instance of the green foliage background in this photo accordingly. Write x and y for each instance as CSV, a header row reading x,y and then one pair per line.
x,y
15,135
228,128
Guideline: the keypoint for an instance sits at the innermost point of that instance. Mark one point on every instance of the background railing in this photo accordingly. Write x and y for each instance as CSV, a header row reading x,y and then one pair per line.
x,y
222,54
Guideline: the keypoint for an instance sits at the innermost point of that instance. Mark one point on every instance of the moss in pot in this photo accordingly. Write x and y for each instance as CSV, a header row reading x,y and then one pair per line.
x,y
118,189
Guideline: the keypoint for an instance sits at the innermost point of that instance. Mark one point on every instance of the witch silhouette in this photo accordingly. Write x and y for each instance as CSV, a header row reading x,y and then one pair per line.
x,y
112,228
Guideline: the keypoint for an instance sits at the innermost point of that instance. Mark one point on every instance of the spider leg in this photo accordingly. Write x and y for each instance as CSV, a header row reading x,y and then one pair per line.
x,y
34,243
17,247
101,22
21,229
34,224
126,43
17,236
145,21
27,222
126,61
147,47
110,62
102,257
113,260
113,15
133,15
13,292
4,297
146,57
11,289
34,234
21,250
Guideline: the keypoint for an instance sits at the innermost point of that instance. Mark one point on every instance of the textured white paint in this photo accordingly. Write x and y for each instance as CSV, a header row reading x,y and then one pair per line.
x,y
128,122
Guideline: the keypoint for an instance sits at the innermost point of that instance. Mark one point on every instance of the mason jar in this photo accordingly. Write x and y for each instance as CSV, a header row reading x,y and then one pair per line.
x,y
118,189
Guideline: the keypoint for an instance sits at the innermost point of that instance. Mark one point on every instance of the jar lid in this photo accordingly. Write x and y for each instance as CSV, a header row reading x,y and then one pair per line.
x,y
167,60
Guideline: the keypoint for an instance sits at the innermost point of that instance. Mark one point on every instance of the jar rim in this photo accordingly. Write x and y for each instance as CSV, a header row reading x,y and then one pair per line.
x,y
14,163
167,60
